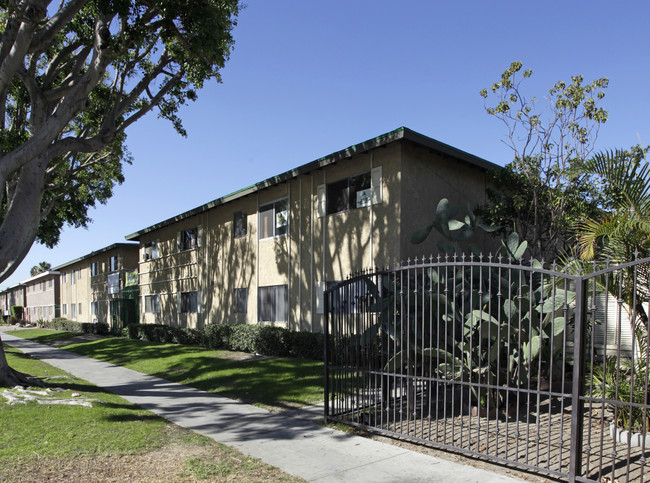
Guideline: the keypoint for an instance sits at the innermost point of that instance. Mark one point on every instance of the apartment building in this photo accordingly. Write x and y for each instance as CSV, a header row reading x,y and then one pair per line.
x,y
101,286
42,297
266,253
14,295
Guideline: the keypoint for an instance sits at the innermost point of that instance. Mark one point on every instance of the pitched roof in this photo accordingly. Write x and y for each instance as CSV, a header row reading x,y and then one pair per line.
x,y
97,252
401,133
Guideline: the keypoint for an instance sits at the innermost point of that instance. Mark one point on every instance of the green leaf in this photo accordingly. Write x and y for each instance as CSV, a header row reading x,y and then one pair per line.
x,y
455,225
420,235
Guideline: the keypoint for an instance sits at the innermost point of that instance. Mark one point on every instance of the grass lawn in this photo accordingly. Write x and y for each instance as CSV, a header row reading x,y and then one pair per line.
x,y
113,439
277,382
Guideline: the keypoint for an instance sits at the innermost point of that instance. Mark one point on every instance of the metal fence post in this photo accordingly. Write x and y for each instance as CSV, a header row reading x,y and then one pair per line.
x,y
326,386
578,386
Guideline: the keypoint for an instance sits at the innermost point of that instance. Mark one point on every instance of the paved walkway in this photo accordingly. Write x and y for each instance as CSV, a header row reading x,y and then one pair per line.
x,y
293,444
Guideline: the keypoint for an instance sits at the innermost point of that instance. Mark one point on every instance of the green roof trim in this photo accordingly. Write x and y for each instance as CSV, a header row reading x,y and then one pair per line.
x,y
97,252
401,133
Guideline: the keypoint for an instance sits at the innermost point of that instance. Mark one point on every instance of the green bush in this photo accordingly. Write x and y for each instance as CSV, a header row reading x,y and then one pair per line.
x,y
17,312
217,336
61,323
242,338
255,339
306,345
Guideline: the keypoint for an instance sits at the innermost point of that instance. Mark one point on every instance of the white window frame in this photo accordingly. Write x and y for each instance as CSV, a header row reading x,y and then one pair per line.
x,y
279,217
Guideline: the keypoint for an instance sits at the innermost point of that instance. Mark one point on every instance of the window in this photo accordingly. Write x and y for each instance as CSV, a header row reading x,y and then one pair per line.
x,y
152,304
73,311
114,263
272,304
113,282
94,308
188,239
63,278
79,308
240,300
352,192
64,309
79,274
50,283
72,277
94,269
239,225
150,251
189,302
273,219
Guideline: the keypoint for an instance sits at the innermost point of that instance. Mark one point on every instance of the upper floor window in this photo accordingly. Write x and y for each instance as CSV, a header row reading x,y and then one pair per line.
x,y
94,269
273,219
348,193
239,224
188,239
150,251
114,263
72,277
63,277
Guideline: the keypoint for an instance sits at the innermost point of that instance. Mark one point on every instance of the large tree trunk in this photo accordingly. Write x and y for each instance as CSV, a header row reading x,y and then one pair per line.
x,y
10,377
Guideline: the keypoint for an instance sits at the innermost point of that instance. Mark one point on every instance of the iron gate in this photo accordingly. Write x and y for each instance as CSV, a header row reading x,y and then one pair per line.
x,y
518,363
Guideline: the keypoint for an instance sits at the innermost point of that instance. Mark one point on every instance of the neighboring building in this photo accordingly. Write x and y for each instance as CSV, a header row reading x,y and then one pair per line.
x,y
14,295
42,297
101,286
266,253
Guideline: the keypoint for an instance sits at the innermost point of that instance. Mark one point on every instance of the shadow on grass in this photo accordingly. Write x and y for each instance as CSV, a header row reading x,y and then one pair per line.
x,y
280,382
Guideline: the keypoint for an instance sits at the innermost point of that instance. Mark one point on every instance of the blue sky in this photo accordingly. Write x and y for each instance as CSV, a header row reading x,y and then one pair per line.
x,y
309,78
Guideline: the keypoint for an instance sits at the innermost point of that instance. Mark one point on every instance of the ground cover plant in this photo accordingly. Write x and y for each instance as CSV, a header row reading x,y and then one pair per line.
x,y
111,441
271,382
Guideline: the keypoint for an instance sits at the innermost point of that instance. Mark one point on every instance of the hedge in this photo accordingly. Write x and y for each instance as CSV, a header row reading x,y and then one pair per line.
x,y
61,323
256,339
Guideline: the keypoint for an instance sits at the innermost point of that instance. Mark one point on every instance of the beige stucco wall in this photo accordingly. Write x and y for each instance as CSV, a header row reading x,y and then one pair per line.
x,y
427,177
88,289
42,298
316,250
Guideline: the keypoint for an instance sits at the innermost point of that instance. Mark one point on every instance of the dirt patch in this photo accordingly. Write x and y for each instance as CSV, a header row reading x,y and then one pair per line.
x,y
175,462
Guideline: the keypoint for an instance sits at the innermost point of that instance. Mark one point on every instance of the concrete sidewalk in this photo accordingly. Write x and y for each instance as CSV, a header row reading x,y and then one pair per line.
x,y
293,444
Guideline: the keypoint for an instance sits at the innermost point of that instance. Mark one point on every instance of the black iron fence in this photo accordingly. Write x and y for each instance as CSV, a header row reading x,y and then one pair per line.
x,y
518,363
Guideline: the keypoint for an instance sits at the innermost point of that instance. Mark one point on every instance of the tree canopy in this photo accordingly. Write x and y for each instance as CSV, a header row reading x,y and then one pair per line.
x,y
40,268
542,192
74,76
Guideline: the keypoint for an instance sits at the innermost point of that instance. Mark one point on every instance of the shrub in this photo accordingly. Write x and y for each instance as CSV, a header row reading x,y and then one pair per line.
x,y
242,338
306,345
271,341
61,323
256,339
217,336
17,311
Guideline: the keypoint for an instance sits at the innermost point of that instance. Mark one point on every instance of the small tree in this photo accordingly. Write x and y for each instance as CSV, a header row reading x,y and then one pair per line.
x,y
542,192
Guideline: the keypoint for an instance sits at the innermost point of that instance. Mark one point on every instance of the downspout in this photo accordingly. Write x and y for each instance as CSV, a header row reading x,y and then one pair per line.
x,y
257,258
289,252
311,259
372,217
299,311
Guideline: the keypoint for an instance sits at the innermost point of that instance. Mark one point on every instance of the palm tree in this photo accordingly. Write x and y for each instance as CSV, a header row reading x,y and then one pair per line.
x,y
623,232
40,268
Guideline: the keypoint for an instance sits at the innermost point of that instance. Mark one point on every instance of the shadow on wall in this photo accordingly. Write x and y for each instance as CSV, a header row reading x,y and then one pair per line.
x,y
230,267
